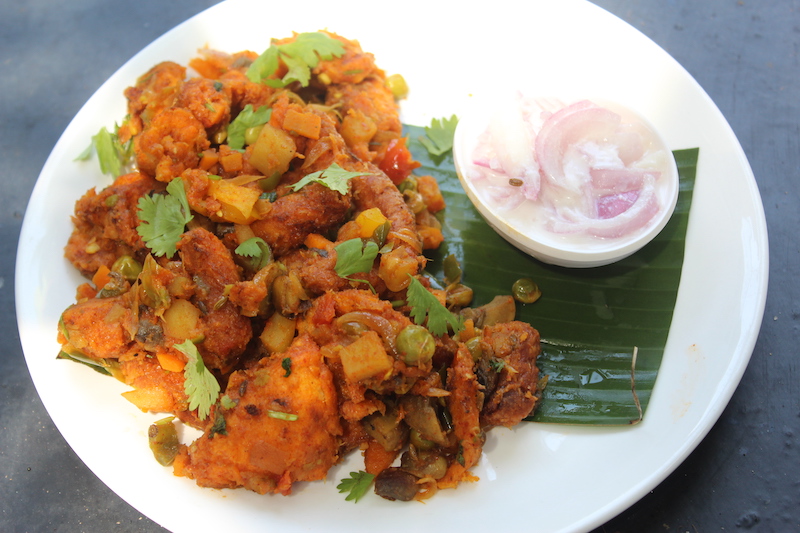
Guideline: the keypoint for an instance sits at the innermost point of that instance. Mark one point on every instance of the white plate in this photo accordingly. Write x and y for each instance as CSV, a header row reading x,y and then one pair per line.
x,y
551,478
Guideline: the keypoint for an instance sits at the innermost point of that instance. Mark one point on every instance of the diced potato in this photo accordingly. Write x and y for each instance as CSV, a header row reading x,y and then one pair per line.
x,y
278,333
273,151
237,202
181,320
365,358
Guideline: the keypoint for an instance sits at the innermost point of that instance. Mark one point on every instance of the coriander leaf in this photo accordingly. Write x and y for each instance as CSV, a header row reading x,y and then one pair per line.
x,y
300,56
257,250
334,177
425,305
353,256
163,218
497,364
286,364
112,154
200,385
226,402
438,137
264,65
356,485
219,426
245,120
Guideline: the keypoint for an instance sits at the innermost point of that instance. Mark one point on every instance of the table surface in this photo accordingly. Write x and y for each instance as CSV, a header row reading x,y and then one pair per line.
x,y
745,475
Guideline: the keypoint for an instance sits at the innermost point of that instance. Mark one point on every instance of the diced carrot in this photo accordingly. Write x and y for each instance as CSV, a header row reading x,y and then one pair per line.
x,y
101,277
377,459
209,159
315,240
153,399
231,161
428,187
431,237
170,361
468,332
305,124
85,291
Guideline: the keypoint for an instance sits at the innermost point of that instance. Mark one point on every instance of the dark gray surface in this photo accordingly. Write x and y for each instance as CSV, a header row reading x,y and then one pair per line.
x,y
745,476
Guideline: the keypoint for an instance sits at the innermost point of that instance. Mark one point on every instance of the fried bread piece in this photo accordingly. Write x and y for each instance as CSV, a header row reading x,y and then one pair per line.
x,y
281,425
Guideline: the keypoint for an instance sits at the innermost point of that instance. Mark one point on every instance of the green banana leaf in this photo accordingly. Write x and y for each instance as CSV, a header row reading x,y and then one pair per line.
x,y
591,320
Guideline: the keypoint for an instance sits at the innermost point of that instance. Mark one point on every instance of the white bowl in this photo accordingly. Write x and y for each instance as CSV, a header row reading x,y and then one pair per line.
x,y
518,226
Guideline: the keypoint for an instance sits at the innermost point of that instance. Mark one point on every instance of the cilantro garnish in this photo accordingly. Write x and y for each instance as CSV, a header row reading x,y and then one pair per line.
x,y
356,485
353,256
163,218
227,402
245,120
112,154
299,56
286,364
219,425
497,364
200,385
334,177
438,137
424,305
257,250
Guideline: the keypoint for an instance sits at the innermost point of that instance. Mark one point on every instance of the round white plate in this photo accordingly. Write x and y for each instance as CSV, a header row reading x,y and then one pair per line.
x,y
547,478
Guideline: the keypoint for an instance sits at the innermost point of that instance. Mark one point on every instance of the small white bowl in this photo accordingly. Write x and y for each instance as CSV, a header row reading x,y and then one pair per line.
x,y
562,249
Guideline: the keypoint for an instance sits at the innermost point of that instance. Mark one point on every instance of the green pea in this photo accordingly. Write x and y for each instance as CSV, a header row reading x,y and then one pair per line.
x,y
416,345
408,184
251,134
397,84
414,201
526,291
128,267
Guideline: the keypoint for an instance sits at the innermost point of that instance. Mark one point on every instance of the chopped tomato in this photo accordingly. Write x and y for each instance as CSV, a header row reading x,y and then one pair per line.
x,y
398,163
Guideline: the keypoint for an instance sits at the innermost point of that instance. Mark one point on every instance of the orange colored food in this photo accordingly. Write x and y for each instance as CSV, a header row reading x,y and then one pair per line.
x,y
311,364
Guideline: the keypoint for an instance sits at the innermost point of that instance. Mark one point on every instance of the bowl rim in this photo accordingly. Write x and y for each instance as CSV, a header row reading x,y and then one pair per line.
x,y
473,121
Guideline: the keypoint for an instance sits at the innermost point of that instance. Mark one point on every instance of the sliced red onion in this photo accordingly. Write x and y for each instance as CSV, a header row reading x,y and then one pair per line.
x,y
579,122
617,180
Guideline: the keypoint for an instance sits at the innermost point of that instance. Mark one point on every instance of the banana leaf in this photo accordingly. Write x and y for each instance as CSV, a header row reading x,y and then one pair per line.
x,y
591,320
